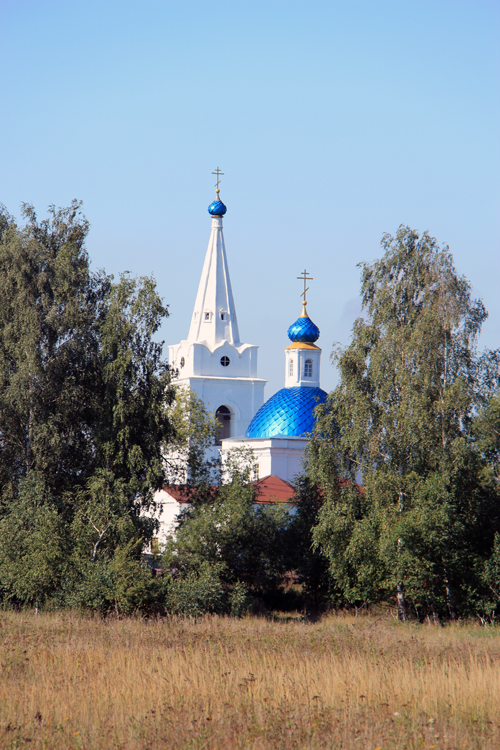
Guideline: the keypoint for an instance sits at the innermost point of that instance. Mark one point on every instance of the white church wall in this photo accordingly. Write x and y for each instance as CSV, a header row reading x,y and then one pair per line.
x,y
198,359
167,512
298,354
282,457
242,396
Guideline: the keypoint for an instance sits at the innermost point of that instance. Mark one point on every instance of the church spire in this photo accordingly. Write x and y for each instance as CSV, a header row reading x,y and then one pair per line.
x,y
214,315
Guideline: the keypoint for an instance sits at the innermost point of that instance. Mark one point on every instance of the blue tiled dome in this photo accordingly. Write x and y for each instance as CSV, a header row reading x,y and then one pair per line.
x,y
303,331
289,413
217,208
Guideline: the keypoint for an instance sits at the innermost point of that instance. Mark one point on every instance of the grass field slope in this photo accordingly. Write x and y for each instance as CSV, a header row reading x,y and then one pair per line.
x,y
342,682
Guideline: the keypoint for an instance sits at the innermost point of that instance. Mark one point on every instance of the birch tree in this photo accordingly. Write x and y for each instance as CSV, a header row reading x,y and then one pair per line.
x,y
400,421
84,392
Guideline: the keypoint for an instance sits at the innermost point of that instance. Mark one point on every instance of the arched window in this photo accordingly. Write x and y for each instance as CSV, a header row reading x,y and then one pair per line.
x,y
290,368
308,368
223,416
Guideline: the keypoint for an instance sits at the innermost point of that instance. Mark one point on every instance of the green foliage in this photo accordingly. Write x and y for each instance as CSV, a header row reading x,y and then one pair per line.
x,y
133,422
401,420
308,563
238,600
490,605
346,535
83,385
195,431
34,545
244,546
49,362
201,591
134,588
196,593
487,432
90,586
120,583
83,417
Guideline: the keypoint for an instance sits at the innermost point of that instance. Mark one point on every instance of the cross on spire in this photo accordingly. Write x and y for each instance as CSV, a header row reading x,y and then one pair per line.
x,y
305,277
218,173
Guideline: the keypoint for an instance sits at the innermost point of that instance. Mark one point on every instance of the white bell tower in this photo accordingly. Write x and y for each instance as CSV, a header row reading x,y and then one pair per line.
x,y
212,361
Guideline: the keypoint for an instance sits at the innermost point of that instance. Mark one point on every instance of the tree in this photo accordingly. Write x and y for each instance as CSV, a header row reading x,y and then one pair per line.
x,y
226,538
84,393
49,352
84,386
186,457
487,432
309,564
34,546
133,424
401,420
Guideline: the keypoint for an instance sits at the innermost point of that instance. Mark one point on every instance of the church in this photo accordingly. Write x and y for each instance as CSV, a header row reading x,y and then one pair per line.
x,y
222,370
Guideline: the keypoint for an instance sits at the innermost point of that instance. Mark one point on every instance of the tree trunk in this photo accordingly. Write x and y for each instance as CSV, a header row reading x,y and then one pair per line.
x,y
450,598
401,603
400,589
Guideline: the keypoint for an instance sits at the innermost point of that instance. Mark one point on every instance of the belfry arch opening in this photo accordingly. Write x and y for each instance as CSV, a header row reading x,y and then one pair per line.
x,y
223,417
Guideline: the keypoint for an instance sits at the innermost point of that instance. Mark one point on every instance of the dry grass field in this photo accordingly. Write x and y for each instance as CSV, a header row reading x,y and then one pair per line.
x,y
73,682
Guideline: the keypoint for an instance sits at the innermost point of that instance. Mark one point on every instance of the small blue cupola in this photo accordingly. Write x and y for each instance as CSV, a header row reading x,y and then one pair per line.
x,y
217,208
291,411
303,331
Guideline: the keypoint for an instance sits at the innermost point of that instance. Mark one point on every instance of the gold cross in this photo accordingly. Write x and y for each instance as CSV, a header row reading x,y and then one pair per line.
x,y
305,278
218,173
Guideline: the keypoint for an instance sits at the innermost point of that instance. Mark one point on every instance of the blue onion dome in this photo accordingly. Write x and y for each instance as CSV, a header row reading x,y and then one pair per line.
x,y
303,331
217,208
289,413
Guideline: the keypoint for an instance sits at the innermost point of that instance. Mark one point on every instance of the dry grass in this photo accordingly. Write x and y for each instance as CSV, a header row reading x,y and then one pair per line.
x,y
71,682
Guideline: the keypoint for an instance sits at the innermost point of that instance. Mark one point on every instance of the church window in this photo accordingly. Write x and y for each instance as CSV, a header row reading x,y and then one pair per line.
x,y
183,362
223,416
290,368
196,316
222,316
207,316
224,361
308,368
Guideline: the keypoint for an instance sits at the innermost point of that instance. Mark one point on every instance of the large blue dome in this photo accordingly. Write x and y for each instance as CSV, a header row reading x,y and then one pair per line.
x,y
289,413
217,208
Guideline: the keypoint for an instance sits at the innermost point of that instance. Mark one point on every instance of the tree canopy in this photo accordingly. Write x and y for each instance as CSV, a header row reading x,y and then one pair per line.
x,y
83,402
401,422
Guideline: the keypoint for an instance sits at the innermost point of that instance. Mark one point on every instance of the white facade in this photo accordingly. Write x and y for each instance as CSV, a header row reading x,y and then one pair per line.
x,y
279,456
168,507
212,361
302,363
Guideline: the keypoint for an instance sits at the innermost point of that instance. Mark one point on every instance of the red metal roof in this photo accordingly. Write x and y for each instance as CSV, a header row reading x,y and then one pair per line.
x,y
273,489
270,489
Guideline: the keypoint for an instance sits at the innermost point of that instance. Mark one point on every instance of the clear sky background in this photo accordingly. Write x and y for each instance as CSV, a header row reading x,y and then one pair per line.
x,y
334,122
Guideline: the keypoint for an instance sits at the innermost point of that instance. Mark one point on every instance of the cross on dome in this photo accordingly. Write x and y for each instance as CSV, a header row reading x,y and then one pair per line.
x,y
217,208
305,277
218,173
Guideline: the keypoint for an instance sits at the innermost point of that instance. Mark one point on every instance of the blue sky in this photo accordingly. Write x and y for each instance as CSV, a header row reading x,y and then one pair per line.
x,y
334,122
